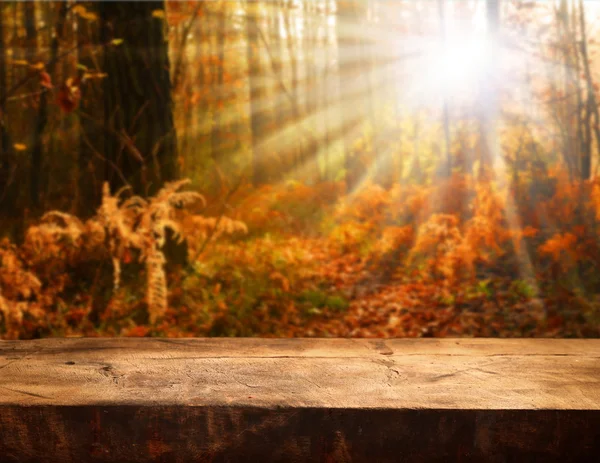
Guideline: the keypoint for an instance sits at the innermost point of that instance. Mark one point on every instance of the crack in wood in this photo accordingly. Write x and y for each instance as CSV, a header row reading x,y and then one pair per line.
x,y
31,394
252,386
382,347
311,382
466,370
108,371
24,356
391,374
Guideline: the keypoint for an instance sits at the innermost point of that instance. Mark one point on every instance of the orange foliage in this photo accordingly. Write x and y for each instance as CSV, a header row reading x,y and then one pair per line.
x,y
382,263
562,248
441,243
485,231
289,208
394,237
595,200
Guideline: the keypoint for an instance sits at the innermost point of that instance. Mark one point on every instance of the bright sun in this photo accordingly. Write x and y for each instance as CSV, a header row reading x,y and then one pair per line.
x,y
456,63
459,63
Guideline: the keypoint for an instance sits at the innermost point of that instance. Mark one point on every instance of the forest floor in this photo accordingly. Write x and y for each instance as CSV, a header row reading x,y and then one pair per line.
x,y
307,289
288,266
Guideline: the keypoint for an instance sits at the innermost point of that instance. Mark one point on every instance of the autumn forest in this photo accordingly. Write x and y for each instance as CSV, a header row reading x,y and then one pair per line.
x,y
284,168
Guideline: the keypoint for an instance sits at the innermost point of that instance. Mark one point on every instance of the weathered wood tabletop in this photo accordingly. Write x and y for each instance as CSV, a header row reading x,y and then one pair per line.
x,y
299,400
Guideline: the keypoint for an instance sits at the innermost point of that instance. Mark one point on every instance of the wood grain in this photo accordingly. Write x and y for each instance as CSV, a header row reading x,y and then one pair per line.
x,y
299,399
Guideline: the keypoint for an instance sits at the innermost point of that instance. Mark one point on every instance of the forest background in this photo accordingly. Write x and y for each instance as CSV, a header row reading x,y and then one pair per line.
x,y
353,168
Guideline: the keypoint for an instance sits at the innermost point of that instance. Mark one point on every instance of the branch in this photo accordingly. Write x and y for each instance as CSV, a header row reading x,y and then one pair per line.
x,y
218,221
186,31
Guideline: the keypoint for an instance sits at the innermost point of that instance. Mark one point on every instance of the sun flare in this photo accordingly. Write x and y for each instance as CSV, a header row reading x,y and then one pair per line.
x,y
458,63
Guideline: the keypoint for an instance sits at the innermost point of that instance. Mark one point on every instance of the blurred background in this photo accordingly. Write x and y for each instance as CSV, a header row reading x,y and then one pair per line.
x,y
367,168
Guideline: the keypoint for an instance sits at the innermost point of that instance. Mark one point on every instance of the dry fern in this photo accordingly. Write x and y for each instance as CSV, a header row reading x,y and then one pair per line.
x,y
153,220
156,289
16,283
18,287
119,226
12,312
200,228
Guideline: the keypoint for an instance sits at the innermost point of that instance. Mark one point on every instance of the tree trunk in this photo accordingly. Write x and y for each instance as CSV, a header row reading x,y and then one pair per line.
x,y
352,85
35,185
258,111
446,170
325,99
91,112
219,88
310,169
381,91
29,52
592,115
294,118
7,160
489,115
282,102
140,145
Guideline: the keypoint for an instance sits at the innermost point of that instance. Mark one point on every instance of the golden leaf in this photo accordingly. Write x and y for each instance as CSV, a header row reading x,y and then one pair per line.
x,y
94,75
79,9
84,13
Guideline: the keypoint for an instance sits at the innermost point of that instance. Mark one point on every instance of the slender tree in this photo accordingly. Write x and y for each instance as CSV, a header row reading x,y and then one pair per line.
x,y
489,101
447,170
291,33
258,112
7,161
185,34
219,87
325,94
36,173
569,111
382,85
310,168
592,116
282,107
91,118
352,85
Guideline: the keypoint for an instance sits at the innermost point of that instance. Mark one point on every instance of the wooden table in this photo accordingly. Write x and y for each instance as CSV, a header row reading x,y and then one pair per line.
x,y
337,400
